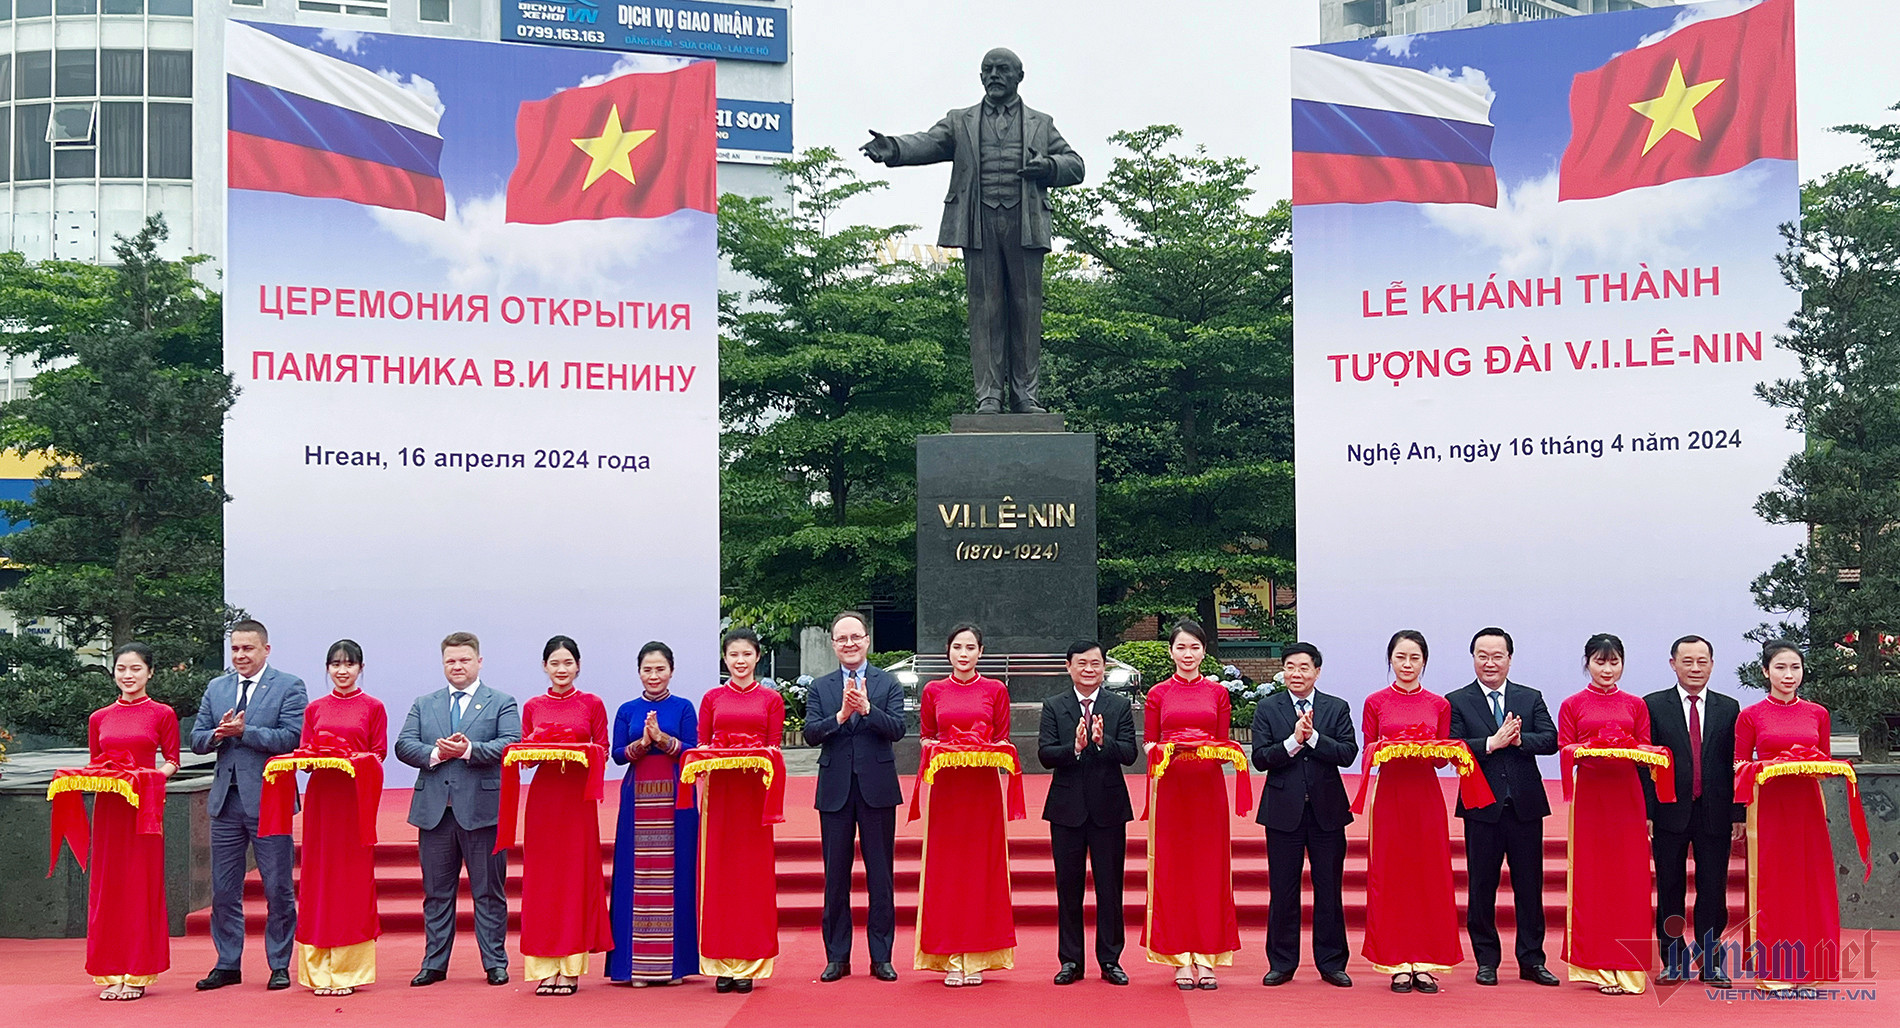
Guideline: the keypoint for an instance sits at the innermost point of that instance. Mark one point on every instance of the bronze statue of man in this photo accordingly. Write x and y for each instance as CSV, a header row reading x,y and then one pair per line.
x,y
1005,158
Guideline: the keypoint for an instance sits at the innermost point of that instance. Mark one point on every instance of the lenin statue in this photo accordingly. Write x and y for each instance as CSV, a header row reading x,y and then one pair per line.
x,y
1004,159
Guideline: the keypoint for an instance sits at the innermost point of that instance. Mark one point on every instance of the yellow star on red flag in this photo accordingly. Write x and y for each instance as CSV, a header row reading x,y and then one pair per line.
x,y
609,151
1674,110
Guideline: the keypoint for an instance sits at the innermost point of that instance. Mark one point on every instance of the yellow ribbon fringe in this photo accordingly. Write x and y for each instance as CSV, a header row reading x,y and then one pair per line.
x,y
1623,753
1807,767
693,770
1001,761
93,783
543,753
1223,754
291,765
1433,751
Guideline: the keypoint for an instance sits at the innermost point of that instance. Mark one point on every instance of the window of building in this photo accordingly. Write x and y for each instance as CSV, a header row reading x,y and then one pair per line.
x,y
121,140
180,8
6,139
368,8
168,141
248,3
124,6
32,157
6,75
77,6
6,14
76,73
72,123
121,73
432,10
170,73
33,9
74,162
33,74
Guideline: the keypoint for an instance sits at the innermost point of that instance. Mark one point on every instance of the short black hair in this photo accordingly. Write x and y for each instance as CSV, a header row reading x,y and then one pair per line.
x,y
1778,646
252,625
561,642
1301,647
1408,633
1187,626
1600,644
741,633
144,653
1510,647
351,650
959,630
656,646
1686,640
1081,646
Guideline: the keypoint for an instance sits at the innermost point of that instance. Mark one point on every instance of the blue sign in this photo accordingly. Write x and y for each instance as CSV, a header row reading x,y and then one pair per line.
x,y
758,125
683,28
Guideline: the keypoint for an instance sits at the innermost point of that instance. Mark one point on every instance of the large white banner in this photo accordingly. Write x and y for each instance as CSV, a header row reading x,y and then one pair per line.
x,y
1535,290
461,412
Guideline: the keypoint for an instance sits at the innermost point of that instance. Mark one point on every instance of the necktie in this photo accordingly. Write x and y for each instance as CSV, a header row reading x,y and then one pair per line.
x,y
1088,716
456,699
1497,707
244,695
1695,747
1304,706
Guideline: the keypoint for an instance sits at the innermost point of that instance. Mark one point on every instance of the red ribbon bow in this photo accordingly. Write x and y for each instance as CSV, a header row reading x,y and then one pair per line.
x,y
1748,774
1617,737
1186,741
1473,789
975,739
69,824
559,737
277,804
732,743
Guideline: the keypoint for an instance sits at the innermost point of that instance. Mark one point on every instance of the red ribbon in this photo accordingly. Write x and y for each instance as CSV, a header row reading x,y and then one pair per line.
x,y
974,739
1185,741
277,804
69,823
1618,737
739,744
1747,772
547,737
1473,789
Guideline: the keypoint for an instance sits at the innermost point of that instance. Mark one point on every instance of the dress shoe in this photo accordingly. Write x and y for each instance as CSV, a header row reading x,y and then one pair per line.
x,y
1487,976
742,985
1424,983
1338,978
722,984
1540,974
429,976
497,976
1401,983
883,971
1114,975
1030,408
835,970
279,980
1069,975
218,979
990,407
1276,978
1717,980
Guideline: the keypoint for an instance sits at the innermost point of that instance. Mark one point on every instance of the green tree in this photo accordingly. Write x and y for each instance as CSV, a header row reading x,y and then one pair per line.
x,y
124,536
1845,484
1174,344
830,366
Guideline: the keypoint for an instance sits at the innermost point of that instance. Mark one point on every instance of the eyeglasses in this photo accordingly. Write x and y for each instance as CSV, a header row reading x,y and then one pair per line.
x,y
849,638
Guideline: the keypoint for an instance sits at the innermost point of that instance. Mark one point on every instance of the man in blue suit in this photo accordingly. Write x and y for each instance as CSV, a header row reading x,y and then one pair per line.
x,y
854,714
454,737
248,716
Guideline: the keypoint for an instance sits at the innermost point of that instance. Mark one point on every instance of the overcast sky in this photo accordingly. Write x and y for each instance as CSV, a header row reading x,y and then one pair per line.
x,y
1217,68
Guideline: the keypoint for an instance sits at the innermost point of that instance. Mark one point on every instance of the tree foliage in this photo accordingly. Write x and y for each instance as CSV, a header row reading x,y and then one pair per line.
x,y
830,366
1174,344
124,536
1845,485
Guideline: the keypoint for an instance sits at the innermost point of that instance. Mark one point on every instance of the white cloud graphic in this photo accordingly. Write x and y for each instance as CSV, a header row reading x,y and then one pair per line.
x,y
1471,78
1697,12
423,88
345,41
1397,46
634,64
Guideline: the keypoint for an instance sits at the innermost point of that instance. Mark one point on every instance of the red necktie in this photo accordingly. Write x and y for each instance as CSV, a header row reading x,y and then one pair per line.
x,y
1695,746
1088,726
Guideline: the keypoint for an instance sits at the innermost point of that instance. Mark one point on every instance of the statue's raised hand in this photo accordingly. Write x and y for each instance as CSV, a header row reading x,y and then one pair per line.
x,y
880,149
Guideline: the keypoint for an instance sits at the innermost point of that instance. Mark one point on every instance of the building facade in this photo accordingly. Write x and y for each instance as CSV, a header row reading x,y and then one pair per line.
x,y
1361,19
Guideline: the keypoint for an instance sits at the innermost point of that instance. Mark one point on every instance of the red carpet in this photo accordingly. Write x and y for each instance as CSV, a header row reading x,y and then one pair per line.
x,y
46,985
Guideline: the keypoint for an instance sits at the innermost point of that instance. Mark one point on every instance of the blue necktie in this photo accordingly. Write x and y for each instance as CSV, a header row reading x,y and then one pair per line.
x,y
456,700
1497,706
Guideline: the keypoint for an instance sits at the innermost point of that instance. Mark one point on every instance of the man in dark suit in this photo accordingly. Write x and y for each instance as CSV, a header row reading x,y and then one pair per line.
x,y
1301,738
248,716
1698,725
1086,737
1507,727
454,737
854,714
1005,158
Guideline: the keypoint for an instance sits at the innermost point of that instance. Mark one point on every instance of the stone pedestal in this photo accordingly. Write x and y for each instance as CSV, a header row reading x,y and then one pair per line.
x,y
1874,902
1006,538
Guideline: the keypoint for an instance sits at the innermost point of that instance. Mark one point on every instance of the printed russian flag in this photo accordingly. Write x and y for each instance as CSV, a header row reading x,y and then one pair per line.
x,y
1370,133
305,123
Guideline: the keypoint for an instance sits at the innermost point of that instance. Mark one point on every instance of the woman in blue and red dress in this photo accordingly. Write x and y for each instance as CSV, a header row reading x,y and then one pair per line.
x,y
965,925
738,911
1794,907
1611,912
563,892
128,939
337,924
1411,914
656,845
1191,924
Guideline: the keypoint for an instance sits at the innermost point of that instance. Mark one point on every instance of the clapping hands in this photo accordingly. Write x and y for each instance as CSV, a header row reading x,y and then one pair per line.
x,y
1510,733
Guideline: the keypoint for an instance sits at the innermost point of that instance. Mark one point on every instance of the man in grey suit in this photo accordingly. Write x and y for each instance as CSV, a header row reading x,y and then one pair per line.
x,y
1005,158
454,737
248,716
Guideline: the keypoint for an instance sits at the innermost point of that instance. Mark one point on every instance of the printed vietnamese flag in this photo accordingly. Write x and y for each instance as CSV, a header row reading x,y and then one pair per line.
x,y
637,146
1706,100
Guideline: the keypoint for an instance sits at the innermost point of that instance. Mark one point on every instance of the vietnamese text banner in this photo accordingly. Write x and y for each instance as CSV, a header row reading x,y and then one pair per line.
x,y
755,127
1535,291
472,312
686,28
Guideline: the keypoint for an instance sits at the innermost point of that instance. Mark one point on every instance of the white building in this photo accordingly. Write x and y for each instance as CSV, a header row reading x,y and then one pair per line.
x,y
1358,19
113,110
